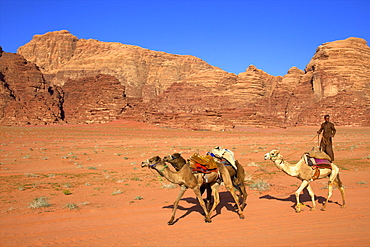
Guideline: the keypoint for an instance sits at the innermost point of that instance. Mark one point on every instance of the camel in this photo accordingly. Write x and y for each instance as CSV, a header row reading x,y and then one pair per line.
x,y
237,177
177,161
305,173
186,179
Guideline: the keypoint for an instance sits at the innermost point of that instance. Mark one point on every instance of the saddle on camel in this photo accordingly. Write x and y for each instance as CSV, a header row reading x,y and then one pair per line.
x,y
204,164
317,160
225,156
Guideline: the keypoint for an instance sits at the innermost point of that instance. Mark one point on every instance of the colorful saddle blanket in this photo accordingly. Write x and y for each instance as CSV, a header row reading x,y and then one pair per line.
x,y
202,169
317,164
322,162
203,164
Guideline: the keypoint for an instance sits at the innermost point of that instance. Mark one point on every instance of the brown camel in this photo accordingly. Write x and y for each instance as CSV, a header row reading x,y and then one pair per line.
x,y
177,161
306,174
237,177
186,179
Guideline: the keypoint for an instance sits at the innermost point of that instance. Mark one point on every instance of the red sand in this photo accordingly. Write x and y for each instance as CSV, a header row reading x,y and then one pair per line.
x,y
121,204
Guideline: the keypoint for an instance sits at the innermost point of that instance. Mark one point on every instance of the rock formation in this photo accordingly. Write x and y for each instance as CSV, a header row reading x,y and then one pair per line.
x,y
85,81
340,73
97,99
61,56
25,97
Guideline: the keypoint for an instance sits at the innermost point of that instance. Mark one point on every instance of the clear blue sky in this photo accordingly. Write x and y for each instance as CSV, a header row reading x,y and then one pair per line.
x,y
270,34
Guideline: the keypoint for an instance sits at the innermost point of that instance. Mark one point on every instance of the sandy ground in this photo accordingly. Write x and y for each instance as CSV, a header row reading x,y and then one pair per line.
x,y
99,195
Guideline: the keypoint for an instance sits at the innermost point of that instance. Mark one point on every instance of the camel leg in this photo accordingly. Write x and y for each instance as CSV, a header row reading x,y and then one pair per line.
x,y
297,193
332,179
176,203
244,196
216,197
239,210
207,217
341,189
209,196
312,195
330,193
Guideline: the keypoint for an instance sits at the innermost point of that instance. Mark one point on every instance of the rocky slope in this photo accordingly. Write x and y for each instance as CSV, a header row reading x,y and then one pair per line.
x,y
25,97
99,81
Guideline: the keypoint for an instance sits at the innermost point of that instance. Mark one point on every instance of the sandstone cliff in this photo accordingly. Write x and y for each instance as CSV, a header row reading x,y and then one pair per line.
x,y
98,81
97,99
61,56
25,97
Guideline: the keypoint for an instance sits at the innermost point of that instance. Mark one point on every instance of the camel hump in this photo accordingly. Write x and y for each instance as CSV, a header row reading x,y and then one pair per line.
x,y
317,154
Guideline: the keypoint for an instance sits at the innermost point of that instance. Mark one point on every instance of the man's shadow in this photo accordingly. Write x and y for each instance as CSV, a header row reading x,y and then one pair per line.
x,y
304,197
226,201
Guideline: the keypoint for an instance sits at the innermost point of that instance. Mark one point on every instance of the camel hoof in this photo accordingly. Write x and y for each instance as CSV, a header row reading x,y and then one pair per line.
x,y
208,221
323,209
313,209
170,223
241,217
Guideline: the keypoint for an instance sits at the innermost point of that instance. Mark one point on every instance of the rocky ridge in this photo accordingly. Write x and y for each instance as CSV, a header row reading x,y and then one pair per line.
x,y
99,81
25,97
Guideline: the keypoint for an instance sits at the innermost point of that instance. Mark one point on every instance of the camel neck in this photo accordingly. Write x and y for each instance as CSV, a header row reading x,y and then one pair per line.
x,y
170,175
286,167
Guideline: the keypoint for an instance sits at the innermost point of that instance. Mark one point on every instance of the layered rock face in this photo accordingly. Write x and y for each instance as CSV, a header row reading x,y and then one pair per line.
x,y
98,82
97,99
61,56
332,84
340,73
25,97
340,66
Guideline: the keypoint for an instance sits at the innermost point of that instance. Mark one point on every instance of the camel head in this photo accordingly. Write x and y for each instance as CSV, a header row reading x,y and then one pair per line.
x,y
176,160
155,163
152,162
172,157
273,155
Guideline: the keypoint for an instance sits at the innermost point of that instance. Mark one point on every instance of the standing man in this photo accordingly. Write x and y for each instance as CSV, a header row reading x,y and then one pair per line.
x,y
326,144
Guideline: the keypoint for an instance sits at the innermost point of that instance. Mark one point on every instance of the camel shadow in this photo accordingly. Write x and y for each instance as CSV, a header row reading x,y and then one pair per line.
x,y
189,210
226,201
304,197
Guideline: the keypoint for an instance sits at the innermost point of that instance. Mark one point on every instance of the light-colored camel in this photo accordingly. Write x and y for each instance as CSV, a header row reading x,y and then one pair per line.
x,y
186,179
237,177
305,173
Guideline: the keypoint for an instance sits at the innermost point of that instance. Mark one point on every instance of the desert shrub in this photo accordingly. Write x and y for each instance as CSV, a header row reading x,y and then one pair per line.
x,y
72,206
40,202
361,182
117,192
66,192
260,185
138,198
169,186
253,164
67,185
31,175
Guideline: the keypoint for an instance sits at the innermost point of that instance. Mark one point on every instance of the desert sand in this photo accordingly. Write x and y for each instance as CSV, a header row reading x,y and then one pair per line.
x,y
99,195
